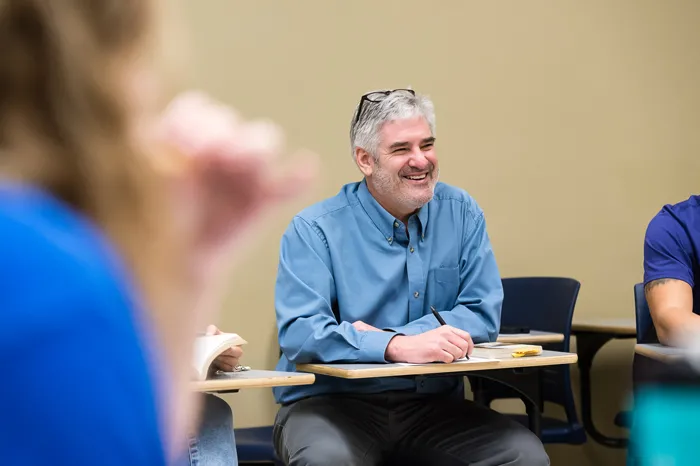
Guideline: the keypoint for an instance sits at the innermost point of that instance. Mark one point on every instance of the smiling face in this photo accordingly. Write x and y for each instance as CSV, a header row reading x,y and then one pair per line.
x,y
403,176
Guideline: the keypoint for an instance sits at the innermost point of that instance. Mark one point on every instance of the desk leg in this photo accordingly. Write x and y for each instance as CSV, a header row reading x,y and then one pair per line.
x,y
534,417
587,345
527,382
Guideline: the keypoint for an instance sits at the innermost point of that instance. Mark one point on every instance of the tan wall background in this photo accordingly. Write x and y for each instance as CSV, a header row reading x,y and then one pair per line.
x,y
570,122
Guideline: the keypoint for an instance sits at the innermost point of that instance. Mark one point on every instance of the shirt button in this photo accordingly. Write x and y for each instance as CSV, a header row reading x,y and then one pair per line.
x,y
416,294
396,224
422,384
411,250
390,239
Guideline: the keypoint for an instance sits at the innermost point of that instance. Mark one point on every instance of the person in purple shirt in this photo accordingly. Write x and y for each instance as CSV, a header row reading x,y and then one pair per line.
x,y
671,269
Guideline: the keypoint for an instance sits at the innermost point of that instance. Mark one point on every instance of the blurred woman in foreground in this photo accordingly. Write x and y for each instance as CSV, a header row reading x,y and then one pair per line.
x,y
115,228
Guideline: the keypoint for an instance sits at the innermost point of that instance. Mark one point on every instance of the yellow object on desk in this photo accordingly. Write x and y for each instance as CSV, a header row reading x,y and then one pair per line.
x,y
527,352
496,350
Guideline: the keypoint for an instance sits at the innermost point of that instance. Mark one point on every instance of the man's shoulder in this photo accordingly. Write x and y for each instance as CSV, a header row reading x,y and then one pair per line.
x,y
447,193
684,214
444,191
337,205
689,208
671,240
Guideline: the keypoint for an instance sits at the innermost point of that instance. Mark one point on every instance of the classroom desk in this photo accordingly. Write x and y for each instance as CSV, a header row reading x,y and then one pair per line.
x,y
659,352
532,338
366,371
619,327
591,335
528,381
233,381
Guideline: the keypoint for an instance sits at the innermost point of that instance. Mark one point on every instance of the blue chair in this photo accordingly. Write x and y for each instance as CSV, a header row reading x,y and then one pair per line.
x,y
642,367
646,332
645,369
541,303
254,446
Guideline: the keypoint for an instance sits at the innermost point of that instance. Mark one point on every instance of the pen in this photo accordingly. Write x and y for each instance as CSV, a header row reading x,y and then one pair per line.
x,y
442,322
437,316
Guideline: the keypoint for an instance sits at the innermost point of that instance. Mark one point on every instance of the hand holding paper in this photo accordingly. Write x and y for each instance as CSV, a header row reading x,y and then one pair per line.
x,y
216,350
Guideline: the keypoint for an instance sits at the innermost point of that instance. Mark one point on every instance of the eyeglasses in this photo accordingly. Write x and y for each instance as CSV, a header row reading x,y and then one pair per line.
x,y
377,96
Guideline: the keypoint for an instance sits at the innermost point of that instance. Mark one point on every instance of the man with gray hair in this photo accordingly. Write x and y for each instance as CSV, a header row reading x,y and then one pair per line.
x,y
359,277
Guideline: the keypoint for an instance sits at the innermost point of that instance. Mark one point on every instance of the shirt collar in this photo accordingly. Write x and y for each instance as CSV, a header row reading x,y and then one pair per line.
x,y
383,220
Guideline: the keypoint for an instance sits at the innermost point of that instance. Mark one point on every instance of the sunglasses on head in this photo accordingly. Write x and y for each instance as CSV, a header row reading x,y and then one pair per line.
x,y
377,96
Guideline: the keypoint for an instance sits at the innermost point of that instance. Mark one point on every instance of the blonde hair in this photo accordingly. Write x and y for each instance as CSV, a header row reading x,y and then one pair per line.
x,y
65,122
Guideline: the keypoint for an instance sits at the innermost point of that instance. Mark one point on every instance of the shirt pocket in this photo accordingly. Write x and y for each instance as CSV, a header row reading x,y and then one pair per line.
x,y
443,288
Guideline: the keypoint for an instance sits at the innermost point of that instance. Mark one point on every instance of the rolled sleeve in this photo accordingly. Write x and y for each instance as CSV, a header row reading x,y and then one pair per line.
x,y
373,346
667,250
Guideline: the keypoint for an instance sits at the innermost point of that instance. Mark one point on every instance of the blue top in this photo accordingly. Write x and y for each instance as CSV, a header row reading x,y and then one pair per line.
x,y
672,245
663,427
75,385
346,259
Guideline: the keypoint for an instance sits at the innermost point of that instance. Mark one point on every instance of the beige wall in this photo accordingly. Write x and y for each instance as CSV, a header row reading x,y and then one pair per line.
x,y
570,122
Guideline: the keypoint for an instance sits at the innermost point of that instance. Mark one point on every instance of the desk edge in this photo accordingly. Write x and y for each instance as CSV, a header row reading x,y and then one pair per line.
x,y
307,378
392,370
643,350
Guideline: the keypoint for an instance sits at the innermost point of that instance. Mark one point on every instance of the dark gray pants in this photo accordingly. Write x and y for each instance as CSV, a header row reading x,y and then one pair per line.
x,y
401,429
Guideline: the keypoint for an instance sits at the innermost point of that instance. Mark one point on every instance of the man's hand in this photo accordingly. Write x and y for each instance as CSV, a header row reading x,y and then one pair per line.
x,y
227,360
363,327
443,344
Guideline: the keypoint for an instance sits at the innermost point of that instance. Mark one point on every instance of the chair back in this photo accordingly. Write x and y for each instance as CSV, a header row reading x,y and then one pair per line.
x,y
543,303
646,332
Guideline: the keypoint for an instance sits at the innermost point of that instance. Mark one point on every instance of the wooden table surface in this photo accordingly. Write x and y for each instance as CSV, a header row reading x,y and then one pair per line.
x,y
617,326
534,337
363,371
658,351
252,379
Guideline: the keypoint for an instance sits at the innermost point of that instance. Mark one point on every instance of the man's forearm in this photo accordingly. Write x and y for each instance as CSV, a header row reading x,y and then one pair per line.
x,y
303,342
677,327
480,327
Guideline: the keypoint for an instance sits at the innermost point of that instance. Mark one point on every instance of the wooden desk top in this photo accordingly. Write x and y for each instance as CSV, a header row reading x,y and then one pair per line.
x,y
364,371
622,326
658,351
534,337
251,379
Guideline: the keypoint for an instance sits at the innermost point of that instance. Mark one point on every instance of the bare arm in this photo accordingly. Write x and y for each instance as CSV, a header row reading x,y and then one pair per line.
x,y
671,305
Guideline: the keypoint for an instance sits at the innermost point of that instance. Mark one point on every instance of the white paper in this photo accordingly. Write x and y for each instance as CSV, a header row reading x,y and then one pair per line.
x,y
206,348
471,359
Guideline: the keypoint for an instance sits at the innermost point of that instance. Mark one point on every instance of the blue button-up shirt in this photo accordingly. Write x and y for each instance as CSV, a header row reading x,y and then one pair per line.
x,y
347,259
